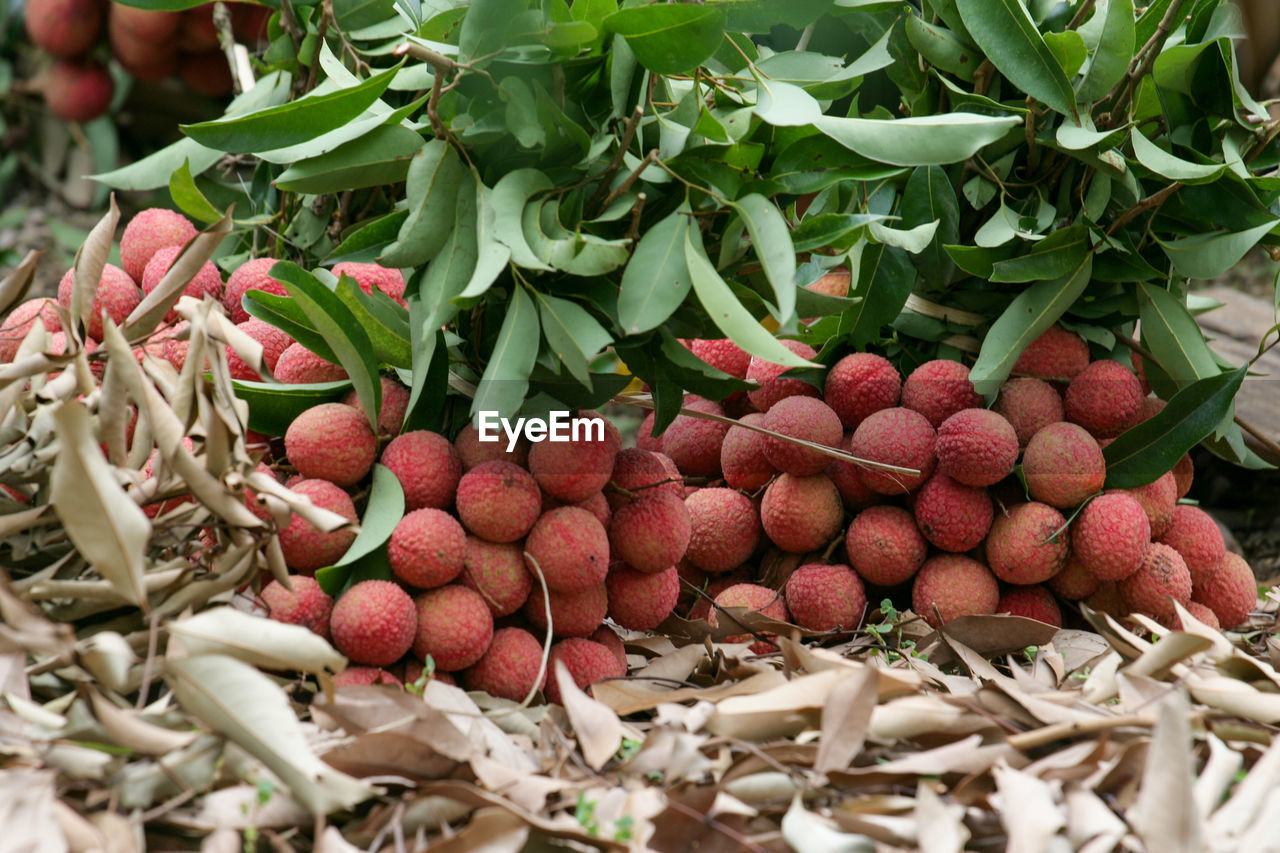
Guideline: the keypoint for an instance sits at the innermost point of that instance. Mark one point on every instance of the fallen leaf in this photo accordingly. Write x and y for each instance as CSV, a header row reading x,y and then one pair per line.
x,y
1166,817
596,726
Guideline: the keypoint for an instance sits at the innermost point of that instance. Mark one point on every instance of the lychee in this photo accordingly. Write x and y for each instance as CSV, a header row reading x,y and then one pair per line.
x,y
694,443
1074,582
454,627
1162,576
938,389
307,605
825,597
1183,474
640,601
196,30
756,598
1063,465
801,514
1107,599
498,573
1203,613
155,25
1195,535
374,623
427,548
1110,536
206,73
884,545
570,548
573,614
976,447
206,282
331,442
742,459
15,327
116,294
426,465
773,386
901,437
949,586
1230,591
1157,499
1105,398
368,276
274,342
573,470
305,547
724,529
149,231
853,491
1029,405
951,515
64,28
298,365
498,501
586,661
804,418
364,676
650,533
722,354
1057,354
250,275
645,439
861,384
1033,602
638,473
1028,544
78,90
472,451
605,636
510,667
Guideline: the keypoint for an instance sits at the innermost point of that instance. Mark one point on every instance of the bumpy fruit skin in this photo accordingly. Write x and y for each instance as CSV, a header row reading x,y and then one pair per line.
x,y
573,614
955,586
1105,398
426,465
1183,474
1057,354
571,549
769,377
305,547
1033,602
250,275
206,282
1063,465
900,437
427,548
472,451
454,627
308,605
859,385
298,365
509,669
823,598
976,447
15,327
1230,591
374,623
951,515
801,514
853,491
1201,612
1020,549
65,28
1157,499
116,294
884,545
605,636
395,402
1110,536
722,354
331,442
587,662
1074,582
274,342
724,529
1195,535
804,418
1107,599
369,276
694,443
148,232
651,533
760,599
938,389
742,459
498,501
498,573
640,601
639,473
571,471
78,91
1029,405
1163,575
364,676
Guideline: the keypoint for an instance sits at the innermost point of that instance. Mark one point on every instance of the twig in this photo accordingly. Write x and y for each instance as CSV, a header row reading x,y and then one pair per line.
x,y
1081,13
1120,95
710,822
148,665
323,30
606,177
633,231
649,160
1152,201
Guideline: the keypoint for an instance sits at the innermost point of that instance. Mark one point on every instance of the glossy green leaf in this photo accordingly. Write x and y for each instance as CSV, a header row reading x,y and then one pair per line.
x,y
942,48
656,279
286,314
506,377
492,255
380,157
1068,48
486,27
1173,336
1114,51
574,336
885,278
386,323
1210,255
272,406
832,230
1009,38
918,141
1059,254
913,240
669,39
816,162
187,196
771,240
785,105
1170,166
452,270
431,189
508,199
930,197
366,240
381,515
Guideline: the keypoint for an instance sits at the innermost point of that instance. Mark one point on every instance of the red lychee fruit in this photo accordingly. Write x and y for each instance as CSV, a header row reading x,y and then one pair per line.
x,y
364,676
1029,405
1028,544
1063,465
78,90
1110,536
801,514
154,25
305,547
510,667
1230,591
1105,398
454,627
206,282
976,447
368,276
1162,576
147,58
498,573
949,586
694,443
426,465
641,601
805,418
853,491
64,28
1074,582
899,437
196,30
250,275
951,515
574,470
395,403
638,473
645,439
274,342
650,533
331,442
587,661
758,599
374,623
116,294
1033,602
1057,354
724,529
938,389
19,322
884,545
1107,599
861,384
573,614
605,636
307,605
742,459
1157,499
1183,474
298,365
427,548
498,501
1202,612
824,598
570,548
722,354
709,589
472,451
1195,535
148,232
773,386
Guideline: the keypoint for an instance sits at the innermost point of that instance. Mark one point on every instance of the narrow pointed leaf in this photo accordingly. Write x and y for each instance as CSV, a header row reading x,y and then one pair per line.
x,y
1009,38
771,240
656,280
506,378
917,141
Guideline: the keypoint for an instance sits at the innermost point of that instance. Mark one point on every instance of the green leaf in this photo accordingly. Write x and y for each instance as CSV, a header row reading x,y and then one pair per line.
x,y
451,270
486,27
431,190
913,240
656,280
576,253
942,48
832,230
669,39
1144,453
386,323
1059,254
978,260
492,255
1169,166
572,333
381,515
727,312
928,197
771,240
508,200
187,196
369,237
785,105
816,162
293,123
1210,255
286,314
1028,315
380,157
1111,58
506,377
885,278
1068,48
934,140
1173,336
1008,36
272,406
353,15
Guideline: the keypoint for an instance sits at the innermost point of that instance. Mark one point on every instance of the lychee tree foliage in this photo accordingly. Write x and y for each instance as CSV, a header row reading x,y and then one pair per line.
x,y
569,180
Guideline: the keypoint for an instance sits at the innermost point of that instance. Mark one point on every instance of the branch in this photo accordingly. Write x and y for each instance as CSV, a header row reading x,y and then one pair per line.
x,y
606,177
649,160
1122,92
1152,201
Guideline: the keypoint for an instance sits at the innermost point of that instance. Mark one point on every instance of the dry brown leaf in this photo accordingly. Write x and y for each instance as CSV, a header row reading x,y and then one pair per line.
x,y
490,830
127,728
913,716
381,754
782,711
91,259
807,832
1218,775
261,642
939,826
28,811
1174,648
1233,818
151,310
596,726
1028,810
14,286
1235,697
361,709
845,719
1166,817
627,696
1089,820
